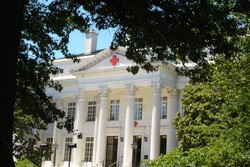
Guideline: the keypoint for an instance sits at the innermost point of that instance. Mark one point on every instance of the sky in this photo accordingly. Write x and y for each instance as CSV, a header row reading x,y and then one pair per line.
x,y
77,40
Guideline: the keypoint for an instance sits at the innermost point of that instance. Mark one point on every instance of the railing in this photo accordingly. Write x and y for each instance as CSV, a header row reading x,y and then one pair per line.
x,y
97,164
117,162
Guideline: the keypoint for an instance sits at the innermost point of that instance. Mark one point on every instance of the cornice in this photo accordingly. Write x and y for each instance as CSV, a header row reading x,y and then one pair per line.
x,y
169,68
101,72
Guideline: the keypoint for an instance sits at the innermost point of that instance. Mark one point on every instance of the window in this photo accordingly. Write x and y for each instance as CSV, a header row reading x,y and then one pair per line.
x,y
164,107
68,140
71,110
91,111
49,141
138,109
114,110
89,149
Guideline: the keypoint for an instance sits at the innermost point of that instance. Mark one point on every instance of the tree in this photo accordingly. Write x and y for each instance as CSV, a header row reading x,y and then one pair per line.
x,y
176,31
32,34
10,29
24,163
215,128
45,30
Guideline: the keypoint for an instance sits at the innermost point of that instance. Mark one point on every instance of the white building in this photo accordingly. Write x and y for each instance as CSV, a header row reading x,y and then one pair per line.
x,y
123,118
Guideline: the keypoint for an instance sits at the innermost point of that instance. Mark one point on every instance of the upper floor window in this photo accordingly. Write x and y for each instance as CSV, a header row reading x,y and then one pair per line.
x,y
91,111
164,107
138,109
71,110
68,140
114,110
89,145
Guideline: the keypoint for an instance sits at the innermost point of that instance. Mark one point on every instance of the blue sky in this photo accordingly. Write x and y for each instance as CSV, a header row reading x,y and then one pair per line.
x,y
77,40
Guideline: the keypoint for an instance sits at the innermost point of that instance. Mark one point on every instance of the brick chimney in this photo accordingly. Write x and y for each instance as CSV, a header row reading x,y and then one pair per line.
x,y
90,41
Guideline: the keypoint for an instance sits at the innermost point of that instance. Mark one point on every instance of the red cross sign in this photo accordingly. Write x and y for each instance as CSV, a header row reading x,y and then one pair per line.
x,y
114,60
135,123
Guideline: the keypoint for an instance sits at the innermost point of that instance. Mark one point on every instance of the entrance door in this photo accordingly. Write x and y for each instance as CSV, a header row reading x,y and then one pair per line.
x,y
163,143
136,151
112,146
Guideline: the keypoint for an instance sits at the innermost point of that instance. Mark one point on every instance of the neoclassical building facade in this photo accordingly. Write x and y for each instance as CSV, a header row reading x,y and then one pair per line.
x,y
120,119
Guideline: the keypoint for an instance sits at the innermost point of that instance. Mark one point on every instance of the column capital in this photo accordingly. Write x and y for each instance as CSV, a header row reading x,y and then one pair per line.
x,y
131,89
173,93
59,103
81,94
103,92
156,88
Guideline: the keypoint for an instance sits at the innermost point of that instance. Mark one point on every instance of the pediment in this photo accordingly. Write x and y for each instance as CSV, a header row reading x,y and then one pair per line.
x,y
105,59
113,61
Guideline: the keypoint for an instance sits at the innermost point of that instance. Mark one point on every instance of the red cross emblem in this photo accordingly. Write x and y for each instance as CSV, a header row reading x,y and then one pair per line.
x,y
114,60
135,123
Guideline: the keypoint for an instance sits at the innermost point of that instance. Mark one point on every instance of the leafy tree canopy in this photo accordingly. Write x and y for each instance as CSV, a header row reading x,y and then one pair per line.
x,y
177,31
45,30
215,129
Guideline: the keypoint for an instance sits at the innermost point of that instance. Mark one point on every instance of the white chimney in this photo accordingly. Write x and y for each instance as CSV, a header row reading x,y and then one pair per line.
x,y
90,41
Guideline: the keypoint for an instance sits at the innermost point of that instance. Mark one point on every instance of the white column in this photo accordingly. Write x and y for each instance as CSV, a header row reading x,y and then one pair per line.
x,y
101,137
180,104
96,132
56,137
128,137
155,129
79,127
172,110
180,109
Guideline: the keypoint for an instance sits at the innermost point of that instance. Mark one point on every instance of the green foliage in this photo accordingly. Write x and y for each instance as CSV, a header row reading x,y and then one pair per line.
x,y
219,154
185,31
24,163
215,130
176,31
45,30
216,105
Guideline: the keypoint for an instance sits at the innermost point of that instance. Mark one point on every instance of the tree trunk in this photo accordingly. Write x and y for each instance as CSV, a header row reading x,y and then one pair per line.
x,y
11,16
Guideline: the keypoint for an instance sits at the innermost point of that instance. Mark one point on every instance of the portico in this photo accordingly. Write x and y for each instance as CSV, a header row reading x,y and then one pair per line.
x,y
150,126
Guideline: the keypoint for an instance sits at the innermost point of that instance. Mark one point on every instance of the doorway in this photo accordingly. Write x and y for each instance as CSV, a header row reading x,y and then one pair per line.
x,y
136,151
163,144
112,147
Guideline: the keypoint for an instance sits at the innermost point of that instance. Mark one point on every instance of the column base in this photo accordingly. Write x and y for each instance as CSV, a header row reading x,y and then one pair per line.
x,y
76,165
127,165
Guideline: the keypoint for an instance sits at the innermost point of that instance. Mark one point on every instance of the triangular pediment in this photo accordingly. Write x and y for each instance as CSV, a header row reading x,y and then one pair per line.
x,y
105,59
113,61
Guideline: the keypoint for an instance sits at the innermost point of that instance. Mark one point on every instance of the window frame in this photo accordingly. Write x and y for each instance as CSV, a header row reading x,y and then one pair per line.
x,y
71,110
138,108
89,149
91,111
114,110
67,141
164,110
